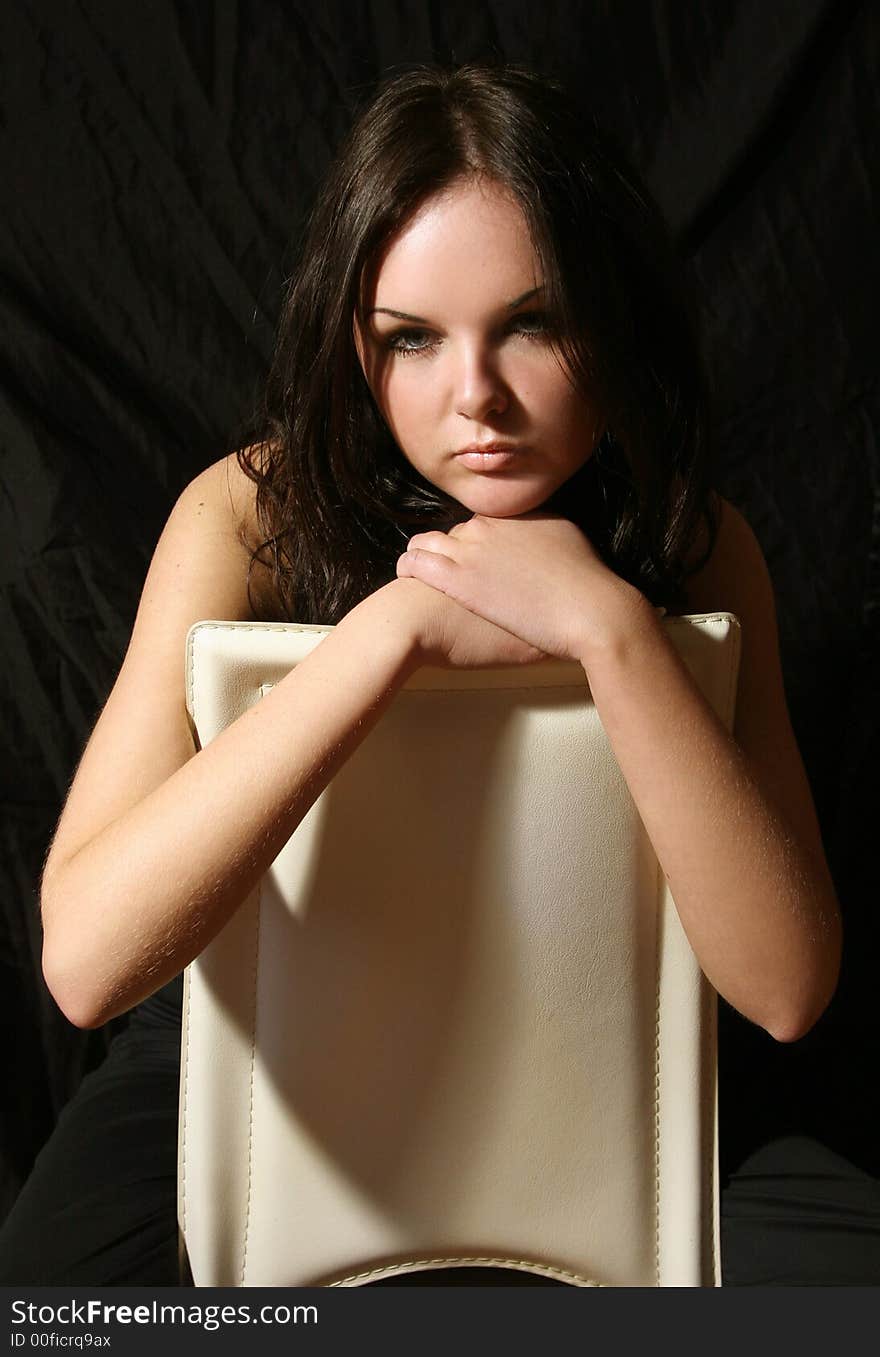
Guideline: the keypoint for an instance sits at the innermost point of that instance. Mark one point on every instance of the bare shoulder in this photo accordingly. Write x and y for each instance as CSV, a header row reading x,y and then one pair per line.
x,y
224,495
220,504
199,572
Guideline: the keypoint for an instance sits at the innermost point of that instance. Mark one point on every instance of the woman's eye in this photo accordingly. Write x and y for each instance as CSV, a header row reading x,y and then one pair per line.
x,y
407,342
534,323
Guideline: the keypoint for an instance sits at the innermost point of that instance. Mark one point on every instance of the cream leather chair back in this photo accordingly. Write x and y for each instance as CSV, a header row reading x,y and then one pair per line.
x,y
459,1023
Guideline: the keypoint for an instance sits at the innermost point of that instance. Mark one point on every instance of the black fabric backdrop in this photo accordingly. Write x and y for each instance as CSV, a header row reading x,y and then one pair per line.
x,y
155,161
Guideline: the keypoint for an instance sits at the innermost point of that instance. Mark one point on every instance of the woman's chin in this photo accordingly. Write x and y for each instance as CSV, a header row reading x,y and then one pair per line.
x,y
498,501
505,508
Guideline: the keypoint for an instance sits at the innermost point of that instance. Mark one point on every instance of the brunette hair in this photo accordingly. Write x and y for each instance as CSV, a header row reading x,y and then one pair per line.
x,y
336,499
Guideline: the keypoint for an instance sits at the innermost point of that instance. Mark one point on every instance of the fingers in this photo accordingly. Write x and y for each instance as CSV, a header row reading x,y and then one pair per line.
x,y
461,534
431,541
432,567
428,558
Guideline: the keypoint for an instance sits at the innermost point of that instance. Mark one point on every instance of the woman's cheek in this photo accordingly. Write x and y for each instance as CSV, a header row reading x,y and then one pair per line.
x,y
398,392
410,403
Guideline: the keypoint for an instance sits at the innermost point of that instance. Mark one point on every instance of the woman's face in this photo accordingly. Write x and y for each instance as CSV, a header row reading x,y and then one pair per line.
x,y
459,355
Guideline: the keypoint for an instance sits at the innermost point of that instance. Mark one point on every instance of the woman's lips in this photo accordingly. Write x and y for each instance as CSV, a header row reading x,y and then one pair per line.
x,y
493,457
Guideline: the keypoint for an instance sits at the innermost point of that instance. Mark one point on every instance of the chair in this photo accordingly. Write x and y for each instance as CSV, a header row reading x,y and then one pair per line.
x,y
459,1023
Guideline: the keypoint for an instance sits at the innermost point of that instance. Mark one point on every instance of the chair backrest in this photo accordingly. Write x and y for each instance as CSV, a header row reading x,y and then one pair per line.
x,y
459,1023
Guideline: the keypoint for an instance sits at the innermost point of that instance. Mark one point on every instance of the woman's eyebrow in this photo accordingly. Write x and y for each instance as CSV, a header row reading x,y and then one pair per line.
x,y
526,296
420,320
399,315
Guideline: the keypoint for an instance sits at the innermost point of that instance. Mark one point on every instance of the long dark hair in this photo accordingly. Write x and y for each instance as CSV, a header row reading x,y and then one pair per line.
x,y
336,499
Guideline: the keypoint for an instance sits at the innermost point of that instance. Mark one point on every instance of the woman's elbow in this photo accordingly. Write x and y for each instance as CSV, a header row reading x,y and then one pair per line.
x,y
798,1021
69,982
805,1009
792,1028
72,996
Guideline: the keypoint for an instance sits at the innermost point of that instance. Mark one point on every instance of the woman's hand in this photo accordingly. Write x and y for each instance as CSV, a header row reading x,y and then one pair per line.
x,y
441,632
535,575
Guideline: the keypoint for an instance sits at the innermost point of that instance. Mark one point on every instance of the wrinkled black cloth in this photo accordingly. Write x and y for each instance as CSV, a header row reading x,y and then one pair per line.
x,y
100,1206
159,162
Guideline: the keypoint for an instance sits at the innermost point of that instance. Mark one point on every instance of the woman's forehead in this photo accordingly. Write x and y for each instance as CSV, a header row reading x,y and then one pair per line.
x,y
469,237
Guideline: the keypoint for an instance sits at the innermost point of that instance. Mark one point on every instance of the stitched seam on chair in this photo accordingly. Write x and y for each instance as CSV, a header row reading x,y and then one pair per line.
x,y
192,655
658,924
300,627
730,713
732,674
190,669
710,1157
191,676
250,1151
544,1268
259,626
185,1054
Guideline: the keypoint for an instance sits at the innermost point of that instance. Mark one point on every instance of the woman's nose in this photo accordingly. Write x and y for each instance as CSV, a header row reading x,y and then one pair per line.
x,y
480,390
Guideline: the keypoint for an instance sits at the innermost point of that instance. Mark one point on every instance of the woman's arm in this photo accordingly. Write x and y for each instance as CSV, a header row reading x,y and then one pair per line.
x,y
731,818
158,844
132,906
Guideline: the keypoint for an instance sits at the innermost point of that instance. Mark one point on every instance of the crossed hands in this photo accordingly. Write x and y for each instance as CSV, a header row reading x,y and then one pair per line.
x,y
536,575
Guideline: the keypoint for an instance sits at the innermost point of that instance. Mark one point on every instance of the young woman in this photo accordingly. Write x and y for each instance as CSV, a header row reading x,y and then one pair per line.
x,y
484,442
